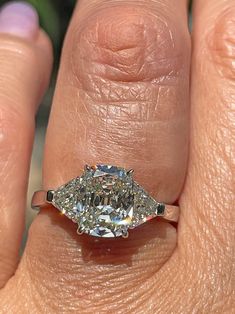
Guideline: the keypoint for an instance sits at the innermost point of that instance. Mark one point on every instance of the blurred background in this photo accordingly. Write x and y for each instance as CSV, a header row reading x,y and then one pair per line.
x,y
54,18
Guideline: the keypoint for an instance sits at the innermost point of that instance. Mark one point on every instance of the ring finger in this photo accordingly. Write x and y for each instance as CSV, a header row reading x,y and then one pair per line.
x,y
121,98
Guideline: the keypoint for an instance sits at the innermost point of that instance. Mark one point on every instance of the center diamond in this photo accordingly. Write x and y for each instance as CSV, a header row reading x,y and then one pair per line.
x,y
101,201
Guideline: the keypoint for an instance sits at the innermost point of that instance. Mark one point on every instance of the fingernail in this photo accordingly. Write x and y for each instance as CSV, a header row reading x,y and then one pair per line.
x,y
19,19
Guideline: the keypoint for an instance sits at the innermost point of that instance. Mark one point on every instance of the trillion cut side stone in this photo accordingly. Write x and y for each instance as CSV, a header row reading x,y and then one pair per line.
x,y
105,202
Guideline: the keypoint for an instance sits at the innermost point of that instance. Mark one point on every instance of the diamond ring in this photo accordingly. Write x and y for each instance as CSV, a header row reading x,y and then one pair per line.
x,y
105,201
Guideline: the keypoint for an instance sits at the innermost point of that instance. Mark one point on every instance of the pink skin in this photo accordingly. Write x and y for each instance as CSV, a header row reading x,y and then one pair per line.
x,y
20,19
122,97
25,65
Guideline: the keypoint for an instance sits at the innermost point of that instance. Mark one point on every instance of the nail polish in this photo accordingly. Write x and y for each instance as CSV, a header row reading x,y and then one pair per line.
x,y
19,19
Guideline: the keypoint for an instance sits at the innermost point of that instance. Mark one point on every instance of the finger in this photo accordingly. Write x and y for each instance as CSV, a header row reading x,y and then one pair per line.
x,y
25,62
207,204
140,104
121,98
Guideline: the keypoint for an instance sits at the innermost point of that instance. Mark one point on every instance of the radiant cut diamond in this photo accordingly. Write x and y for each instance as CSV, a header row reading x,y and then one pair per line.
x,y
105,201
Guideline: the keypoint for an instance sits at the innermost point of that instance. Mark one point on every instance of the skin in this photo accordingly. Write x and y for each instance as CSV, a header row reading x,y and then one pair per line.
x,y
122,97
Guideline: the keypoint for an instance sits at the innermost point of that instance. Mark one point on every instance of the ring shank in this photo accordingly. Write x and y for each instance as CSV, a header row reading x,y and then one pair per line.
x,y
171,213
40,200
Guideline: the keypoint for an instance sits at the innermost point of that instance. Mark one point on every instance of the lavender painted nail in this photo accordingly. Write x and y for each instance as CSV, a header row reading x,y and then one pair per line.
x,y
20,19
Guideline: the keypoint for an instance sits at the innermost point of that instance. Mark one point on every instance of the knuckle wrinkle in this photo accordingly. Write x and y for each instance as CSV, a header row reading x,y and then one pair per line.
x,y
129,45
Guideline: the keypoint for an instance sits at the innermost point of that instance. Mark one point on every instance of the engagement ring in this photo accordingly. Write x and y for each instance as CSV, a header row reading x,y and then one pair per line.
x,y
105,201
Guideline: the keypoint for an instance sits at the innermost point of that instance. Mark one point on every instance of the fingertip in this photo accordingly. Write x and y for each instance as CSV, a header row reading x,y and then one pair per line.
x,y
19,19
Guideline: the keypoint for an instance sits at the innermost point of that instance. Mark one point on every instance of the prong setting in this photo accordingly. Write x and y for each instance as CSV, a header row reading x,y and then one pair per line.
x,y
125,234
87,168
130,172
80,231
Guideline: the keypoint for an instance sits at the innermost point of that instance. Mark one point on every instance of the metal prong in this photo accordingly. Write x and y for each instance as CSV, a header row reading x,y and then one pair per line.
x,y
50,196
87,168
161,209
130,172
79,231
125,234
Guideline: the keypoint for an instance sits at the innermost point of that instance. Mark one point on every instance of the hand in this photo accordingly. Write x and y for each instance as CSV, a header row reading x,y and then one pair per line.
x,y
122,97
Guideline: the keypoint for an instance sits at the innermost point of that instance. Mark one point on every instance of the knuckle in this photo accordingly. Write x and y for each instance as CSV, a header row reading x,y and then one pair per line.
x,y
221,43
128,45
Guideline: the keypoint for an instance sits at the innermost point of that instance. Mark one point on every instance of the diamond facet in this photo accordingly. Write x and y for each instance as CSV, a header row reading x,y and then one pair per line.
x,y
105,201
